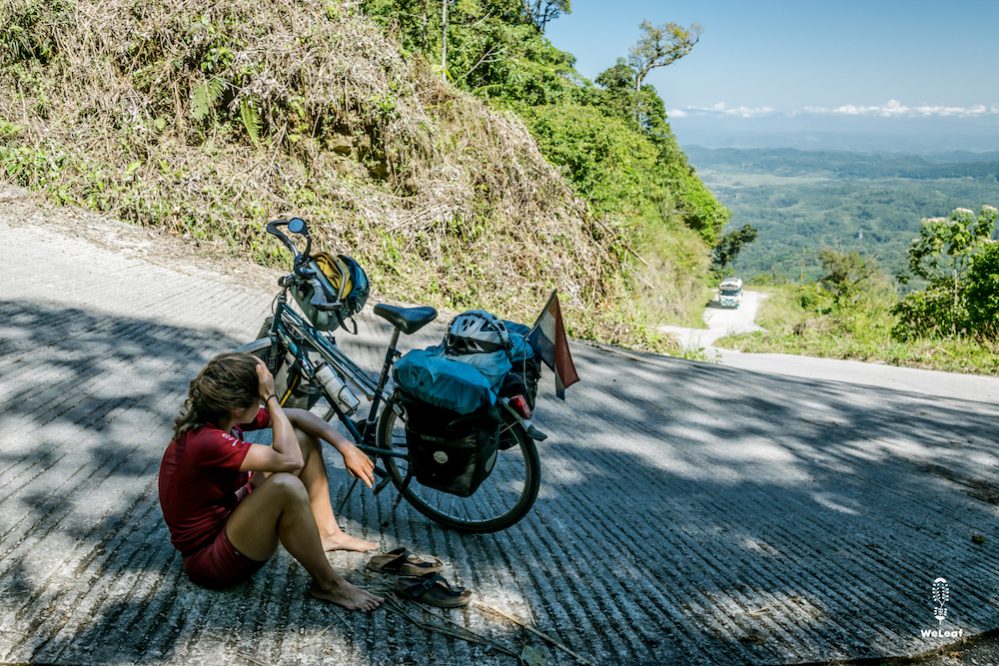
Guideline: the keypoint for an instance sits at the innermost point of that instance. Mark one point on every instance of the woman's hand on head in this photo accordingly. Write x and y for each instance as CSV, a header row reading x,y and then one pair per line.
x,y
265,381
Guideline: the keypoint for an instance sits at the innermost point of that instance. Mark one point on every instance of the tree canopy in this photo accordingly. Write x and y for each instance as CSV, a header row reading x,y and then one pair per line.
x,y
956,255
661,45
611,137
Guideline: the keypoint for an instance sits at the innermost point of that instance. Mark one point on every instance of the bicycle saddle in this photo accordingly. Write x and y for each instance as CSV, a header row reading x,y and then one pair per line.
x,y
407,320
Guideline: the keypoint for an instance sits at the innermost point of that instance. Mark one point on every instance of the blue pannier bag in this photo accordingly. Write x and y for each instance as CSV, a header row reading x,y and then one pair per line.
x,y
429,376
494,366
450,394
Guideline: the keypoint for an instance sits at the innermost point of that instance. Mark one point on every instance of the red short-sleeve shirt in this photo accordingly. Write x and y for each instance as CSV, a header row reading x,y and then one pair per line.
x,y
199,479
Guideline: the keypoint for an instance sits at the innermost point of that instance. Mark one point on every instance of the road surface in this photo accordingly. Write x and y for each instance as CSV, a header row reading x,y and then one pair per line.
x,y
689,512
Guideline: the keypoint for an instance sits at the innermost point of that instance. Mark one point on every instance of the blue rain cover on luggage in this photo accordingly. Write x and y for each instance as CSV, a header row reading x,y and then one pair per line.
x,y
430,376
520,349
494,366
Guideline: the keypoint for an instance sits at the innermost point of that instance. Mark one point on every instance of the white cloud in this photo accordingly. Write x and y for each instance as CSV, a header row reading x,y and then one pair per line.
x,y
722,109
893,108
896,109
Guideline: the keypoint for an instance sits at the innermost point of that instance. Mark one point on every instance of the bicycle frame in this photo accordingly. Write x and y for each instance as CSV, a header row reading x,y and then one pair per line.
x,y
290,329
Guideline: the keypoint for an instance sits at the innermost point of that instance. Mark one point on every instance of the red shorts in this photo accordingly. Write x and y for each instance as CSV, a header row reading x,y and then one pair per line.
x,y
219,565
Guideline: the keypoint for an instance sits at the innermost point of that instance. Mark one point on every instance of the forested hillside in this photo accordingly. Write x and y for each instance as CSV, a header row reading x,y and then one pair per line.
x,y
460,159
804,201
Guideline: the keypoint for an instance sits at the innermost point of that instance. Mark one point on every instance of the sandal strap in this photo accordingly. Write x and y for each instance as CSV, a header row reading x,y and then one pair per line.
x,y
396,562
428,582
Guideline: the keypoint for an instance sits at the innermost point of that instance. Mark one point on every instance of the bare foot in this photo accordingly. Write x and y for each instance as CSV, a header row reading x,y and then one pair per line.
x,y
347,595
344,541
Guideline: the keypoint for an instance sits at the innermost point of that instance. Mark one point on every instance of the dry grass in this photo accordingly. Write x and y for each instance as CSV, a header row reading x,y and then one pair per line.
x,y
208,120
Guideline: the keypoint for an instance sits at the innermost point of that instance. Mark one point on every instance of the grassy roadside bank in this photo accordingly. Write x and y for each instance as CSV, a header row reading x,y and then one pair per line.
x,y
794,325
208,121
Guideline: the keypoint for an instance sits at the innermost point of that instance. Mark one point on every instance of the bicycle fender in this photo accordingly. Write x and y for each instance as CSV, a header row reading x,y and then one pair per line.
x,y
531,430
255,346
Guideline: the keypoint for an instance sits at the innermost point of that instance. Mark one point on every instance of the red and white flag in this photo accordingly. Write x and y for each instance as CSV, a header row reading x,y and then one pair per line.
x,y
549,341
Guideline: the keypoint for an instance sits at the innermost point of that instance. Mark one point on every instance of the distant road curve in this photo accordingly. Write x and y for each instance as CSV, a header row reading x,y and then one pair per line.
x,y
722,322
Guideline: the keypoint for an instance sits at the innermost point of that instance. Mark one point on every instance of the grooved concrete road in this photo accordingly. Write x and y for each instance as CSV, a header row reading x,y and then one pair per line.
x,y
689,513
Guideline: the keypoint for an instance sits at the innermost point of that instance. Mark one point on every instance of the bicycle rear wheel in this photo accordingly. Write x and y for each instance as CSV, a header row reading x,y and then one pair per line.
x,y
505,497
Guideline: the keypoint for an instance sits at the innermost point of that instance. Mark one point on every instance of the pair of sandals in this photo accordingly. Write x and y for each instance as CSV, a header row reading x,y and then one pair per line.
x,y
420,579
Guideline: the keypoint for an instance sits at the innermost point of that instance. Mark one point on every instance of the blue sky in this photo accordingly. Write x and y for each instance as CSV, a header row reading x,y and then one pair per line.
x,y
870,59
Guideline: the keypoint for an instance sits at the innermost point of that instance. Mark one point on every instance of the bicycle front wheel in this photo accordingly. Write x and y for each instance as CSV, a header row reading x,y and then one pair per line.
x,y
505,497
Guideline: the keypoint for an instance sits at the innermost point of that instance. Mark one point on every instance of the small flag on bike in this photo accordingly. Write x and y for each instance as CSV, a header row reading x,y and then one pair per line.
x,y
548,339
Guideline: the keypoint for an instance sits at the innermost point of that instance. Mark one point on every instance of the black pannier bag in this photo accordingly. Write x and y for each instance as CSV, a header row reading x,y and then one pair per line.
x,y
448,451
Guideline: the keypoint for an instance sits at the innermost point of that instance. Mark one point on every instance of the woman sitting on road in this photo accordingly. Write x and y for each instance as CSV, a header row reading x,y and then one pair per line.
x,y
228,502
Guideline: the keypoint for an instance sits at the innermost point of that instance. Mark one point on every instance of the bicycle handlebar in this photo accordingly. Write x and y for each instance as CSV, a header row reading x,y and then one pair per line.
x,y
273,228
300,270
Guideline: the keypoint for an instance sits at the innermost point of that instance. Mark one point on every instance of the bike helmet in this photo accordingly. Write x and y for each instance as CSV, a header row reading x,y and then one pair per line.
x,y
476,331
342,280
348,279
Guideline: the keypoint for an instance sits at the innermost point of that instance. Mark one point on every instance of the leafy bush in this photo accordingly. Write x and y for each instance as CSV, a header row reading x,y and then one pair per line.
x,y
612,167
931,313
956,256
982,294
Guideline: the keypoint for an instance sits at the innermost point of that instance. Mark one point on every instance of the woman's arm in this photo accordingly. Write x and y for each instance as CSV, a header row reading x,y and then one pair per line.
x,y
354,459
284,454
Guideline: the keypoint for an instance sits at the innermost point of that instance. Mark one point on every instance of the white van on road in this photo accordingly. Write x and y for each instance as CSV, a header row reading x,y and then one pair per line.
x,y
730,293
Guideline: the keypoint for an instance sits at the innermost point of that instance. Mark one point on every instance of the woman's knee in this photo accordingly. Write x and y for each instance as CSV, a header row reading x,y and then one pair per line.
x,y
285,485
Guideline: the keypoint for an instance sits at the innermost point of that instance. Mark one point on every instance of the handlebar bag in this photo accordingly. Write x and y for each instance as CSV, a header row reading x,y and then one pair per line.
x,y
451,452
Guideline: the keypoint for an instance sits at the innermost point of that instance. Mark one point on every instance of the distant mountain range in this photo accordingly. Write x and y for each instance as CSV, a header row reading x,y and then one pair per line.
x,y
911,135
794,162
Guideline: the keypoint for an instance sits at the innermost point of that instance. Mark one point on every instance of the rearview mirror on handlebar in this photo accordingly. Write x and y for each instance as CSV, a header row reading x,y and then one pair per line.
x,y
296,225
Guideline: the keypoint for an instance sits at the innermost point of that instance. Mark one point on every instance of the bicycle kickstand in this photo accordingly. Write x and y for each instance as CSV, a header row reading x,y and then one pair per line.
x,y
346,497
398,497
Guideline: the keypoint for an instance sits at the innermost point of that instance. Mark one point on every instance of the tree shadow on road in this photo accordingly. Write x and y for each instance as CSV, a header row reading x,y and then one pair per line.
x,y
689,514
87,573
713,515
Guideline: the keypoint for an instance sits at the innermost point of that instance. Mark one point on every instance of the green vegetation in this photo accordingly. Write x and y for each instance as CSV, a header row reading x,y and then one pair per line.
x,y
803,201
854,311
610,138
957,258
404,134
730,245
795,326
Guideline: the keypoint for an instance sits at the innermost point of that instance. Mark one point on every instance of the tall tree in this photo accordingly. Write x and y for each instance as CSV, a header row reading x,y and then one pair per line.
x,y
542,12
731,244
942,254
846,274
444,4
661,45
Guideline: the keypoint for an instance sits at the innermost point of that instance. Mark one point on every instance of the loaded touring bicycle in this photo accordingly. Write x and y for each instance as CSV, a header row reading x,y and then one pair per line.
x,y
449,426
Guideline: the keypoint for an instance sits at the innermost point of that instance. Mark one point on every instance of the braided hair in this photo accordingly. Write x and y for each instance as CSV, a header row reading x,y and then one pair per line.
x,y
228,382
